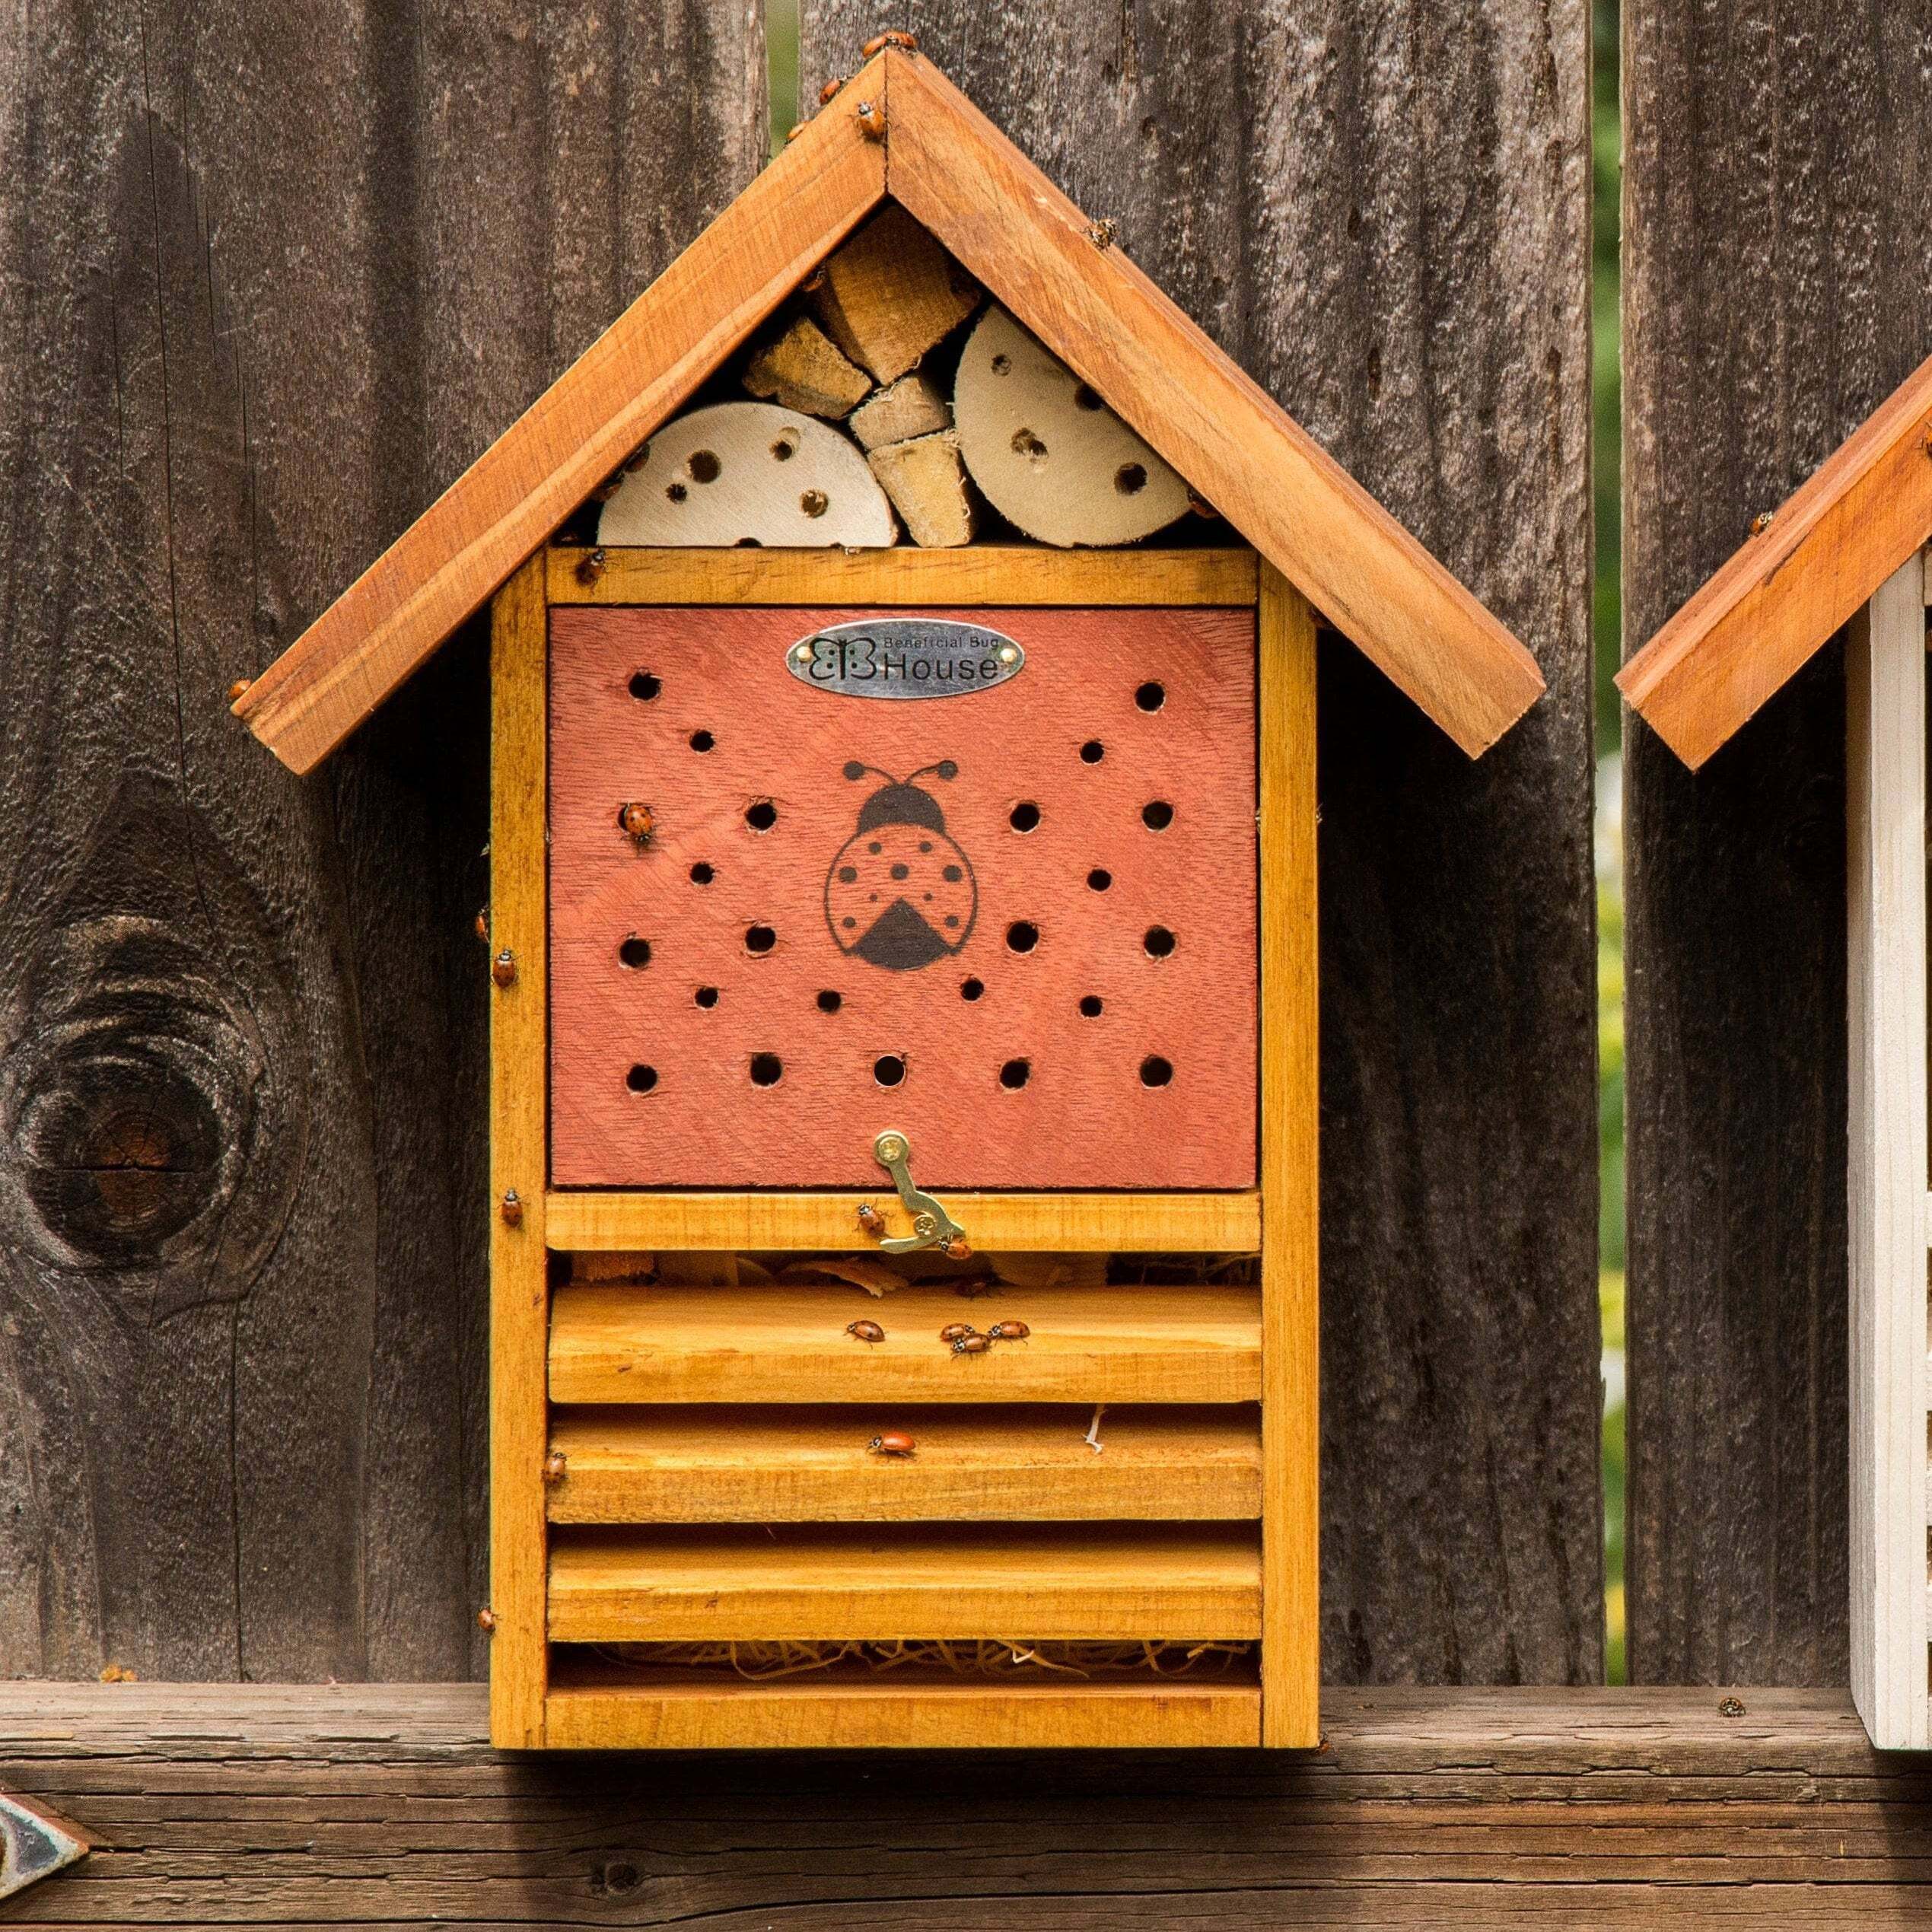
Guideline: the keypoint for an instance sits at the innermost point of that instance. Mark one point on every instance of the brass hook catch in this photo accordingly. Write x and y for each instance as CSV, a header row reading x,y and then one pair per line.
x,y
932,1226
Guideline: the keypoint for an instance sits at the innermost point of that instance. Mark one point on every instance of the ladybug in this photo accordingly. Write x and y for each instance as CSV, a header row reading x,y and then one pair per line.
x,y
892,1442
901,893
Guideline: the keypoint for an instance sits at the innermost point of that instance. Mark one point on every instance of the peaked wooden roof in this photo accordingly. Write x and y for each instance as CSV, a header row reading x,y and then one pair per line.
x,y
1767,611
920,141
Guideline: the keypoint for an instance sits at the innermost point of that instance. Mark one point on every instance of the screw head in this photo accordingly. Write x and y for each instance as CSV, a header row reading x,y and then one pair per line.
x,y
1007,653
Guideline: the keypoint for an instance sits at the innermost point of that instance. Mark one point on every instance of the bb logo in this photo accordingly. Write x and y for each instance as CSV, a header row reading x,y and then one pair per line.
x,y
901,893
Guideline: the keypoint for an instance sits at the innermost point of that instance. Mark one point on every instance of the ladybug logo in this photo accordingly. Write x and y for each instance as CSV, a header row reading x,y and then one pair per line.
x,y
900,893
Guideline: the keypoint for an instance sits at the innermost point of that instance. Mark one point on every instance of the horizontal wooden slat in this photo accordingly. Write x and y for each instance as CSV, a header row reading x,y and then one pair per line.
x,y
1032,1583
813,1713
986,574
626,1344
758,1223
785,1464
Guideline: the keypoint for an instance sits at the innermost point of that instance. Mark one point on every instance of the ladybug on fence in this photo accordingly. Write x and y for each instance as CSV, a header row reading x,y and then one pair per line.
x,y
901,893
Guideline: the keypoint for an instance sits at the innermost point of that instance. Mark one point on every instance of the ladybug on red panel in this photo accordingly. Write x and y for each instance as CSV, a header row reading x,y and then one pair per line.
x,y
901,893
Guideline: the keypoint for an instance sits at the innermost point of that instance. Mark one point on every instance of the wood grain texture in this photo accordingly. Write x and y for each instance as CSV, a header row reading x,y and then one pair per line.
x,y
903,1712
1030,1582
241,1346
751,1222
1860,515
801,1464
624,1343
988,572
1428,1808
1085,847
1886,1126
1359,202
1778,241
576,435
520,1262
1290,1111
1092,306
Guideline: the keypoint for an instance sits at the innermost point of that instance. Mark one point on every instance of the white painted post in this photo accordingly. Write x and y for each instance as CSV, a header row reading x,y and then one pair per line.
x,y
1884,812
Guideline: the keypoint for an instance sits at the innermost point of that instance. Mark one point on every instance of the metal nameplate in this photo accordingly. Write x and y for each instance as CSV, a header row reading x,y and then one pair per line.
x,y
905,657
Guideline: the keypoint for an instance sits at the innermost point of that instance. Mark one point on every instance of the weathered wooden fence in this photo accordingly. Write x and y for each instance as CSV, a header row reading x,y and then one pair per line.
x,y
271,285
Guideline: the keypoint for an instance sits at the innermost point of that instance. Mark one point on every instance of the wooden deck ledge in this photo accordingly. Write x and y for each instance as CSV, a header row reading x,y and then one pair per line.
x,y
383,1804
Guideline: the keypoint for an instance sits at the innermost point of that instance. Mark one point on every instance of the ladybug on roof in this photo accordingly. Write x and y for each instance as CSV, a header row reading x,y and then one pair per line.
x,y
901,893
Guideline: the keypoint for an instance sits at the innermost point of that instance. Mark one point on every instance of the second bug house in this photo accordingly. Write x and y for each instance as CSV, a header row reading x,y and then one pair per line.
x,y
901,953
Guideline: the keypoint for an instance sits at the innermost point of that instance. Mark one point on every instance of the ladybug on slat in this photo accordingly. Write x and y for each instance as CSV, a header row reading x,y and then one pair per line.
x,y
901,893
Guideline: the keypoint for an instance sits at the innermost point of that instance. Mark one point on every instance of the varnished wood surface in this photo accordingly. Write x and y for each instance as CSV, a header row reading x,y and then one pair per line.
x,y
1337,195
1028,1582
986,573
790,1343
520,1262
1291,1124
807,1464
383,1805
754,1221
1776,291
1862,513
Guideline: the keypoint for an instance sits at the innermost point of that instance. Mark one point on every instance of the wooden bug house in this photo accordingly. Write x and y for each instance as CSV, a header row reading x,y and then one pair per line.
x,y
903,937
1850,548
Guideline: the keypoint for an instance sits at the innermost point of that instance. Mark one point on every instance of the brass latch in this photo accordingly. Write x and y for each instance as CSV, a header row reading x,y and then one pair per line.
x,y
932,1226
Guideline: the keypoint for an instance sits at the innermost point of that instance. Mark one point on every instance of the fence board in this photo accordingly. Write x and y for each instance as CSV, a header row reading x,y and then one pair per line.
x,y
1778,244
1382,211
268,282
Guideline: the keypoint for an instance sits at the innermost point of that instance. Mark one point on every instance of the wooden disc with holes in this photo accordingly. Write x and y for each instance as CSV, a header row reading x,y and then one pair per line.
x,y
750,472
1048,453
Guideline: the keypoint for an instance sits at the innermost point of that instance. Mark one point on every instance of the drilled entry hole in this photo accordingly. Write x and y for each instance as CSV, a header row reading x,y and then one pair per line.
x,y
1099,878
1156,1071
1024,817
767,1070
1159,941
705,467
1092,752
641,1079
702,741
814,503
784,449
1091,1006
889,1069
1157,815
1023,935
676,491
1026,443
762,939
645,686
1015,1074
762,816
1131,478
972,989
706,996
829,1001
635,952
702,874
1087,397
1151,696
1000,365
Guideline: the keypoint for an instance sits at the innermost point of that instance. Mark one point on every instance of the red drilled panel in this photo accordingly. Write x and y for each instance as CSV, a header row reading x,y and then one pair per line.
x,y
1086,1115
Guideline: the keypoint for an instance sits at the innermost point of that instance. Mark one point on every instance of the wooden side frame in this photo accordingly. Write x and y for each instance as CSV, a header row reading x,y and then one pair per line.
x,y
520,1293
1885,824
1290,1250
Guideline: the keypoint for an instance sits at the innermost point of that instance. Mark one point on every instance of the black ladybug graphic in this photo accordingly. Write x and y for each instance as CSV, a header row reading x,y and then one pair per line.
x,y
900,893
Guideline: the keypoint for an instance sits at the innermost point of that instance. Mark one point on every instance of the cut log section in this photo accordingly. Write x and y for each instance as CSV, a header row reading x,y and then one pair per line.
x,y
1049,454
912,406
752,473
802,369
890,293
927,483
